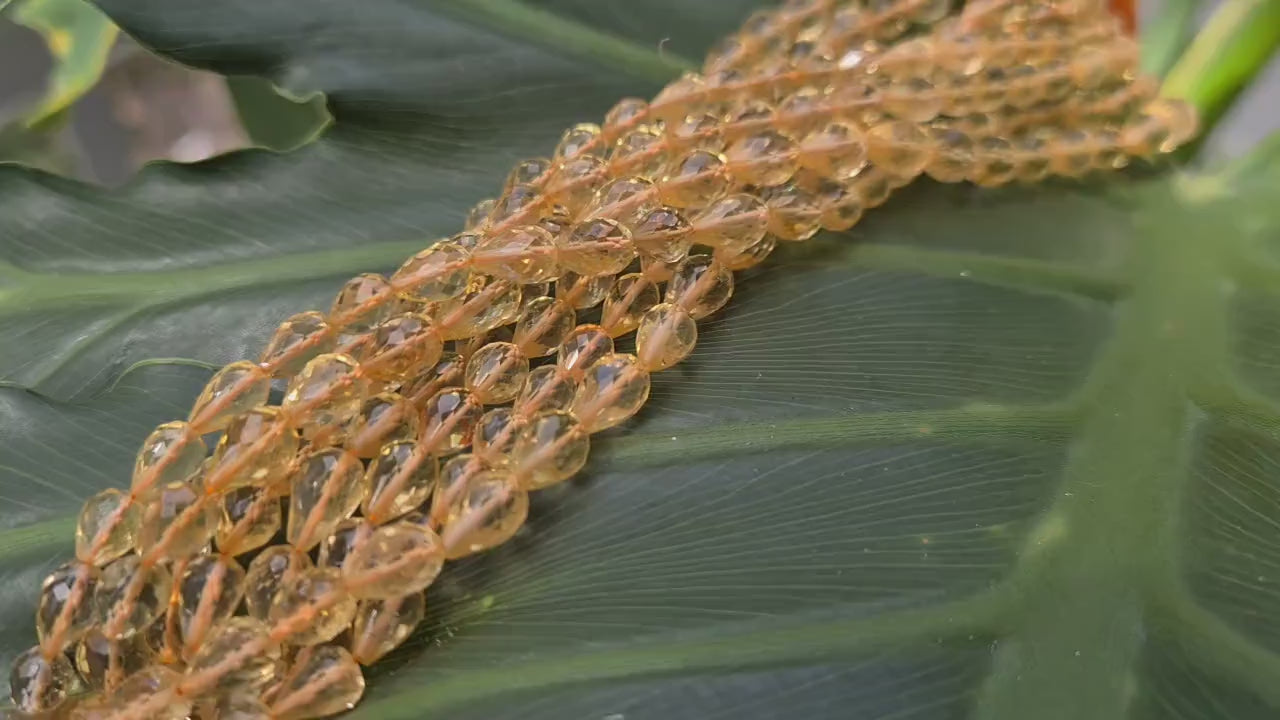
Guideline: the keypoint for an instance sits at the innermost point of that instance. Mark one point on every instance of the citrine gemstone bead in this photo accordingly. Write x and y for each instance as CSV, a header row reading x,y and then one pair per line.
x,y
524,254
576,181
399,345
701,285
577,140
399,479
236,706
552,447
145,690
172,452
629,297
543,324
326,488
625,200
734,222
382,625
664,234
383,418
267,572
613,389
314,604
584,346
495,435
515,199
297,340
237,656
795,214
104,663
582,292
488,303
837,151
106,528
695,180
679,96
395,560
323,680
640,151
700,130
250,517
234,389
423,385
765,158
528,171
438,273
496,372
209,591
900,148
549,387
626,113
327,393
485,512
38,684
750,257
178,522
65,610
666,335
346,537
599,246
364,301
449,418
130,595
255,450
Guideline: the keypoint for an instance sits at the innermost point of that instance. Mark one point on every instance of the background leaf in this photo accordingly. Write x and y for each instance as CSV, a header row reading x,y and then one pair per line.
x,y
991,455
79,37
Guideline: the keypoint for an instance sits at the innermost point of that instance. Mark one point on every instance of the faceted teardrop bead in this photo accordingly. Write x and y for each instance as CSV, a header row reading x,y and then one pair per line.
x,y
996,165
576,182
625,114
629,298
543,324
313,606
496,372
599,246
735,222
698,131
488,303
549,387
327,393
107,527
397,559
874,185
325,489
515,200
255,451
398,480
795,214
145,693
65,610
234,389
436,274
837,151
447,372
577,140
105,663
582,292
38,684
296,341
484,513
496,435
664,233
208,592
584,346
528,171
238,653
678,98
478,215
250,518
236,707
364,301
381,625
524,254
701,285
170,453
322,681
383,418
130,595
766,158
177,523
900,148
552,447
625,200
695,180
350,533
448,420
613,390
750,257
399,345
666,335
267,572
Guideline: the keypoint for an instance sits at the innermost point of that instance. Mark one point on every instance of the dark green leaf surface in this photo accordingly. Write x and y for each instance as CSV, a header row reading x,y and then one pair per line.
x,y
990,456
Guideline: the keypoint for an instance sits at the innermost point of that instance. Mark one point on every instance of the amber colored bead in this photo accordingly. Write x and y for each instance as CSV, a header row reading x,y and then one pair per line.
x,y
398,480
766,158
666,335
702,130
582,292
297,340
613,389
249,518
748,258
323,680
363,302
664,233
542,326
234,389
515,199
842,207
325,489
900,148
675,100
640,151
695,180
552,447
255,450
485,512
395,560
318,597
381,625
488,303
106,528
209,591
873,185
576,140
629,297
431,380
399,345
624,114
436,274
65,610
701,285
528,171
327,393
735,222
599,246
584,346
576,182
953,157
130,595
794,213
524,254
267,572
496,372
549,387
382,418
346,537
224,655
104,663
171,452
625,200
996,162
448,419
38,684
495,435
177,523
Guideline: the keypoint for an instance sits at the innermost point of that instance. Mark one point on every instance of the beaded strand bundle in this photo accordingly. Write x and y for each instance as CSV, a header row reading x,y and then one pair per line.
x,y
422,409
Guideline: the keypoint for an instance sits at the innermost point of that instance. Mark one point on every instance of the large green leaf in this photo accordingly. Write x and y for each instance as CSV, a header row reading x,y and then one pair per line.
x,y
992,455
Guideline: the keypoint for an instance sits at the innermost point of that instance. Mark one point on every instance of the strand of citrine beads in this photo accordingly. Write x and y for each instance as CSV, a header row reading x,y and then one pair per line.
x,y
392,452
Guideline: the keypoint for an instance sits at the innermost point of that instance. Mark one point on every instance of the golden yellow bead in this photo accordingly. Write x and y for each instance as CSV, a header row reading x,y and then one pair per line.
x,y
104,663
629,297
426,382
750,257
795,214
488,303
327,393
65,610
582,292
172,452
249,518
666,335
438,273
107,527
363,302
383,418
640,151
322,681
296,341
543,324
515,199
496,372
577,140
552,447
576,181
701,285
900,148
664,234
485,512
695,180
399,345
448,420
549,387
495,435
234,389
399,479
626,113
324,490
395,560
267,572
130,595
315,603
38,684
613,389
254,451
346,537
209,591
381,625
734,222
584,346
224,655
177,523
625,200
765,158
599,246
528,171
524,254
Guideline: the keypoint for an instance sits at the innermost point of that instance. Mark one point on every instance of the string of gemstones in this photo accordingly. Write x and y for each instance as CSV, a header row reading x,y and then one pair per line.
x,y
421,410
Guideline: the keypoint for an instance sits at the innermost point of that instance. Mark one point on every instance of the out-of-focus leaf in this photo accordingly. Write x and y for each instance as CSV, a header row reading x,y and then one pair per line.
x,y
79,37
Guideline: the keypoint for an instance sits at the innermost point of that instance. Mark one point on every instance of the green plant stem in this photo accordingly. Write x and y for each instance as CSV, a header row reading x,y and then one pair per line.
x,y
1168,35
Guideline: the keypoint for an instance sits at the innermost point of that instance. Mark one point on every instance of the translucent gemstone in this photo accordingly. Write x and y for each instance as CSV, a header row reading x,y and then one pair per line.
x,y
678,97
104,663
325,489
383,418
750,257
107,527
381,625
837,151
238,653
914,100
549,387
794,213
455,476
803,111
234,389
629,298
208,593
478,215
513,201
577,180
130,595
527,171
249,518
640,152
997,165
842,206
664,234
147,688
666,336
485,512
397,559
327,393
364,301
612,390
625,200
583,292
953,157
766,158
496,372
255,450
524,254
399,345
496,435
436,274
267,572
626,113
584,346
447,372
701,285
350,533
38,684
899,147
702,130
313,606
1072,154
555,221
238,707
322,681
171,452
735,222
576,140
65,610
695,180
448,420
487,304
543,324
398,480
177,523
552,447
599,246
873,185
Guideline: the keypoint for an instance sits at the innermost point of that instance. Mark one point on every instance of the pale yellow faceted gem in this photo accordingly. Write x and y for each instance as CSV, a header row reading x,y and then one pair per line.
x,y
107,527
399,479
321,681
576,181
65,610
640,151
524,254
576,140
549,387
254,451
177,523
702,130
613,389
679,96
485,512
701,284
325,489
528,171
795,214
318,597
584,346
209,591
448,419
626,113
488,303
766,158
543,324
382,625
396,559
236,707
478,215
837,151
234,389
599,246
399,345
327,393
296,341
625,199
335,549
552,447
629,298
383,418
495,435
842,206
438,273
582,292
38,684
225,655
734,222
148,683
496,372
249,518
666,335
104,663
426,382
267,572
364,301
750,257
130,596
513,201
172,452
900,148
665,234
695,180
